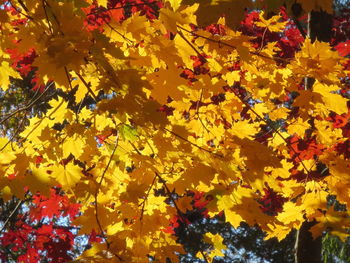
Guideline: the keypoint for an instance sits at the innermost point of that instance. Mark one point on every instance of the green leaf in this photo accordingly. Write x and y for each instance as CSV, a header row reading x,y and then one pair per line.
x,y
128,132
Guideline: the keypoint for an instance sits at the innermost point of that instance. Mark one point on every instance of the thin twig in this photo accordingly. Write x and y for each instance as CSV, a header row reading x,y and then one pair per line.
x,y
47,17
19,11
14,134
23,5
146,197
204,256
18,205
171,196
274,129
192,46
262,41
109,162
231,46
193,144
119,7
135,148
54,17
27,106
68,78
179,212
299,26
96,199
87,85
197,112
114,30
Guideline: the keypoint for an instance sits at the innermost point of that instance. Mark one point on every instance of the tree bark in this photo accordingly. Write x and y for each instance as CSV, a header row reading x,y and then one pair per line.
x,y
307,249
320,26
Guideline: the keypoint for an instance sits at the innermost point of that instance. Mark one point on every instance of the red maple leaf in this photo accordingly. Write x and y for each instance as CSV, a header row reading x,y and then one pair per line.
x,y
343,48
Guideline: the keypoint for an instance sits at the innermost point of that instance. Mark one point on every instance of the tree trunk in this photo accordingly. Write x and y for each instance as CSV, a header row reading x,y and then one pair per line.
x,y
320,26
307,249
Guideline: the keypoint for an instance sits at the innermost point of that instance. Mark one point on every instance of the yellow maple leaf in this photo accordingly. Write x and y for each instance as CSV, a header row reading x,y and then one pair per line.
x,y
67,175
73,145
103,3
226,203
210,11
279,113
6,71
317,60
4,145
273,24
114,228
171,18
185,50
217,242
244,129
155,205
326,134
298,127
336,222
279,231
184,204
231,77
314,200
278,139
59,111
331,100
261,109
284,171
175,4
292,213
38,179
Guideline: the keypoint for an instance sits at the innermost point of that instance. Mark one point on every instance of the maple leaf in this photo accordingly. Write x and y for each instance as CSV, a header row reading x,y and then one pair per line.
x,y
343,48
291,214
220,115
184,204
103,3
272,24
210,11
175,4
335,221
277,230
317,60
67,175
329,97
217,242
316,5
244,129
6,72
298,127
128,132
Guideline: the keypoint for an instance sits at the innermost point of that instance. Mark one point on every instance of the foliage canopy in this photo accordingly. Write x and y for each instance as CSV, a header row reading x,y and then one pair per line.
x,y
165,109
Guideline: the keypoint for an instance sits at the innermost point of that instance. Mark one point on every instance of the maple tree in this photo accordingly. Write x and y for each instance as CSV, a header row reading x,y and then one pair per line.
x,y
39,229
161,112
